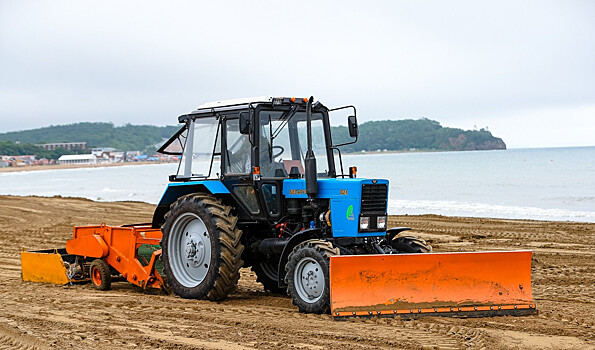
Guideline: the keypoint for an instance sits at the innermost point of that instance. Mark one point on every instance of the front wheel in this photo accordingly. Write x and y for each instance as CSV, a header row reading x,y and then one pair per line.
x,y
307,276
201,248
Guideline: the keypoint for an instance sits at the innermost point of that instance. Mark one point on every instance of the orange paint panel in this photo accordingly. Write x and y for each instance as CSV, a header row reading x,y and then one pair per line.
x,y
91,245
429,281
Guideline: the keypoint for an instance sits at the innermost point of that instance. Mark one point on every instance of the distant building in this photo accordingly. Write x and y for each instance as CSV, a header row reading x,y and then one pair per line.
x,y
67,145
108,154
115,156
78,159
130,156
99,151
22,160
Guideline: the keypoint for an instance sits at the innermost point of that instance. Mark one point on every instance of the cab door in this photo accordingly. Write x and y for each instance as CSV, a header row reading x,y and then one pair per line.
x,y
278,151
236,157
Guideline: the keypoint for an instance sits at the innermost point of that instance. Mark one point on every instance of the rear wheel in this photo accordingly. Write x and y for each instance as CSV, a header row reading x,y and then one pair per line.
x,y
201,248
100,275
307,276
410,244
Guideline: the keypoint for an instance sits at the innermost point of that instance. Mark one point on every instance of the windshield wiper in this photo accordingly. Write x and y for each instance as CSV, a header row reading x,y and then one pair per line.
x,y
285,117
271,138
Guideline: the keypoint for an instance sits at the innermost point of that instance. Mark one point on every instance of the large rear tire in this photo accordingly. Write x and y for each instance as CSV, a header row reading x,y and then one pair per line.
x,y
410,244
307,276
268,276
201,248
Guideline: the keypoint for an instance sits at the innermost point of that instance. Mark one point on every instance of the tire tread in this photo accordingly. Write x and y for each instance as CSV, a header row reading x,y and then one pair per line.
x,y
231,247
326,250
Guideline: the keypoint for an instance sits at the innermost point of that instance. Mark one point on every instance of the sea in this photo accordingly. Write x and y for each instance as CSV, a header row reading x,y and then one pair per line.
x,y
533,183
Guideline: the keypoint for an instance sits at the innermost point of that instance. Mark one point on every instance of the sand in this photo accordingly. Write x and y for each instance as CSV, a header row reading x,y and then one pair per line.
x,y
40,316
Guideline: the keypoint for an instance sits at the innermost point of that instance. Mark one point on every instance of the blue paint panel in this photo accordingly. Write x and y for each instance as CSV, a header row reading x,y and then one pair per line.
x,y
327,188
214,186
295,188
343,194
177,189
345,216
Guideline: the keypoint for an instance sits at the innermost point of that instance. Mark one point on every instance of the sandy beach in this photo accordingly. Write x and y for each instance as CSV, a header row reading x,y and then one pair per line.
x,y
41,316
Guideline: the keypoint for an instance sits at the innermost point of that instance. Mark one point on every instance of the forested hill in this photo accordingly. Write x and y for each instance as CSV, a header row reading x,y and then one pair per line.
x,y
127,137
421,134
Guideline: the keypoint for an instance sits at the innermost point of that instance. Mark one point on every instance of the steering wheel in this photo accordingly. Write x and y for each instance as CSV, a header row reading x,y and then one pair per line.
x,y
280,152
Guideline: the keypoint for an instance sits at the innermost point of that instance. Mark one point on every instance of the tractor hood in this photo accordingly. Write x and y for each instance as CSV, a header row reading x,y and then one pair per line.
x,y
350,199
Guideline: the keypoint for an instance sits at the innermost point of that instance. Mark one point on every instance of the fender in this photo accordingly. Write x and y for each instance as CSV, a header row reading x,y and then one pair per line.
x,y
176,190
292,243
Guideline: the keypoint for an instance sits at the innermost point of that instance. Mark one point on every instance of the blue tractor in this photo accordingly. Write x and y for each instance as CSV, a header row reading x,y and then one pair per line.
x,y
258,186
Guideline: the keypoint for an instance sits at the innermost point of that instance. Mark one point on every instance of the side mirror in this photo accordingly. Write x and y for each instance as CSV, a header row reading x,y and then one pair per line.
x,y
244,123
352,124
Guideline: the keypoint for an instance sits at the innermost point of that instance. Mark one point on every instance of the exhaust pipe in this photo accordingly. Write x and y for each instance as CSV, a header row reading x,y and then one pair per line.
x,y
310,159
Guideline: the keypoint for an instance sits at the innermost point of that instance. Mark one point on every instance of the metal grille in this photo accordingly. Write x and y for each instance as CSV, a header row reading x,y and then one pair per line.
x,y
374,198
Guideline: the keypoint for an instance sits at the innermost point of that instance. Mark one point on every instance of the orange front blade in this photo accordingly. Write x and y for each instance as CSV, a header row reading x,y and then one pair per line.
x,y
430,283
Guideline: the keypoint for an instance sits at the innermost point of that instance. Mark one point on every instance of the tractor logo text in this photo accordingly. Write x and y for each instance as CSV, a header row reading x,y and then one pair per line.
x,y
350,213
297,191
343,192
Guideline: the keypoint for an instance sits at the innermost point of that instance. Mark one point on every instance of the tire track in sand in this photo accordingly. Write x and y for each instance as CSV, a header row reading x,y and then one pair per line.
x,y
13,340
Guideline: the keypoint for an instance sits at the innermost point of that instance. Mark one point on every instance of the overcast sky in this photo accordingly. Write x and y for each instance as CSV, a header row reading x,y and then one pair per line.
x,y
525,69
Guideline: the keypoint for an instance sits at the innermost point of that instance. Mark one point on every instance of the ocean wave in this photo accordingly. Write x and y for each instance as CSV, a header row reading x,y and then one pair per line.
x,y
484,210
574,199
107,189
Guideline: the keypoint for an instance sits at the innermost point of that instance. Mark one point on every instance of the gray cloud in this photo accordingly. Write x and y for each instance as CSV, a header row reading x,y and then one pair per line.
x,y
463,63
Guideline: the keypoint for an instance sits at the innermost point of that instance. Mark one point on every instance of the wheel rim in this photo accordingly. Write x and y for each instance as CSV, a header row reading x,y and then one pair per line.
x,y
96,276
189,248
309,280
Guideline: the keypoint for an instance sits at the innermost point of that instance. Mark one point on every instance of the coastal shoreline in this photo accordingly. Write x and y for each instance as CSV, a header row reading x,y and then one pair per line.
x,y
73,166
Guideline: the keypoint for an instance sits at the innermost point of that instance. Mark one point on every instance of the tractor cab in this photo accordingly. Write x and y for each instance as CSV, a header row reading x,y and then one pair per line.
x,y
252,145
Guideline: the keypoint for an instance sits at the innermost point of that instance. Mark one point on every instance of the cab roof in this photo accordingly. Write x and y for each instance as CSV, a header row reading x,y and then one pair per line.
x,y
238,103
235,102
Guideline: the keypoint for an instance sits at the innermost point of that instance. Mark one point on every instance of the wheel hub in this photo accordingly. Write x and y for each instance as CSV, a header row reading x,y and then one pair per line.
x,y
195,251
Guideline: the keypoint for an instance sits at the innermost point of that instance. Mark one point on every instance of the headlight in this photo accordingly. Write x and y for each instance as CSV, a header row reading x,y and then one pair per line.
x,y
364,222
381,222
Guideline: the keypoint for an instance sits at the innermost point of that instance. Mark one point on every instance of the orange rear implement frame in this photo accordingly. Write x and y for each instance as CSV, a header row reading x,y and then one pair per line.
x,y
118,247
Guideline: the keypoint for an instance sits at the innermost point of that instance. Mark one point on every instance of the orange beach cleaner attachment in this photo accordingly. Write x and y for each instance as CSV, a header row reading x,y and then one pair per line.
x,y
98,254
118,247
445,284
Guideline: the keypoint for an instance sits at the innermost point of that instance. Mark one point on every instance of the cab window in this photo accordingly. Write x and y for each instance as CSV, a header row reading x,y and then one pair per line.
x,y
237,156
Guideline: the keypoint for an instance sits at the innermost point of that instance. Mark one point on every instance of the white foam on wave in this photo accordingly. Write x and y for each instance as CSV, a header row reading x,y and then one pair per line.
x,y
107,189
483,210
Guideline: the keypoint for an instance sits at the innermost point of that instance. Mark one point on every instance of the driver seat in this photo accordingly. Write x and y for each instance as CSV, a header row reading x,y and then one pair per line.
x,y
288,164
